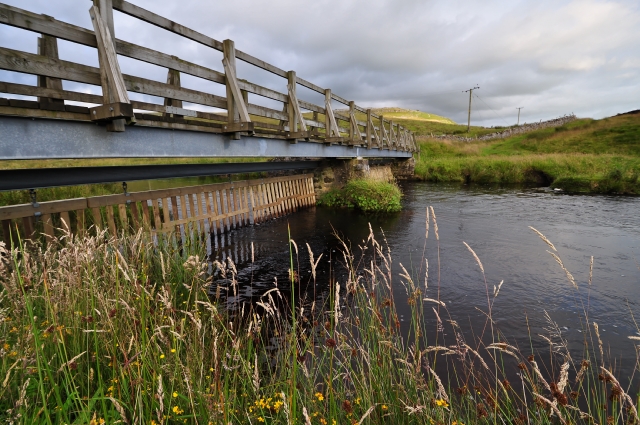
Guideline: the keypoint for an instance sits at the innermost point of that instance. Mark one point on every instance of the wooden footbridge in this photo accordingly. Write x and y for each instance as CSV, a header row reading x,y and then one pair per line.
x,y
72,124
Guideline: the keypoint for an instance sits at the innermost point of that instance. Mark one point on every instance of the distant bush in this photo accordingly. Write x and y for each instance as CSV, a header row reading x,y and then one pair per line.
x,y
365,195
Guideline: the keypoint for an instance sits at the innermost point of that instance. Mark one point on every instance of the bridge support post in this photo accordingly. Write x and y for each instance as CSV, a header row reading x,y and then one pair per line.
x,y
173,78
332,134
383,133
354,131
369,130
113,87
48,46
237,112
297,126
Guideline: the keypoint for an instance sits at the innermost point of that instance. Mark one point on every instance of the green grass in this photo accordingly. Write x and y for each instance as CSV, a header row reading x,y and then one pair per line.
x,y
102,330
594,156
365,195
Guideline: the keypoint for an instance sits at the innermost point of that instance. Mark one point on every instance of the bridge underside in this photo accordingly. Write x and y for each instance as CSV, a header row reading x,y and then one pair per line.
x,y
36,138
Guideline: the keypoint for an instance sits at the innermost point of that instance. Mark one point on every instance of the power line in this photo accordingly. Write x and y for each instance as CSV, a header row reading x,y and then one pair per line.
x,y
487,105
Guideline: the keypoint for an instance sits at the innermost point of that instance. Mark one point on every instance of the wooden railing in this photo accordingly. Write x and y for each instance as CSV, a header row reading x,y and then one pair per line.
x,y
298,120
206,209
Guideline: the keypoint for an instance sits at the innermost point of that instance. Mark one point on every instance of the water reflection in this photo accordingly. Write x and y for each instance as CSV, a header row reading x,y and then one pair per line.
x,y
494,222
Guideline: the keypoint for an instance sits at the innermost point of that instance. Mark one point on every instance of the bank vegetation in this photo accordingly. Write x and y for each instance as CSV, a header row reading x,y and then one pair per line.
x,y
135,330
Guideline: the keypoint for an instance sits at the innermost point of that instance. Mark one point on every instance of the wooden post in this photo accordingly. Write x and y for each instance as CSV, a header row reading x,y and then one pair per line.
x,y
392,136
173,78
297,126
230,56
369,129
332,132
291,85
113,88
48,46
237,114
327,118
383,133
353,127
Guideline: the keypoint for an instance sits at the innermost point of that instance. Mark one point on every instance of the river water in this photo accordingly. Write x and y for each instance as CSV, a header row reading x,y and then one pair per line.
x,y
494,222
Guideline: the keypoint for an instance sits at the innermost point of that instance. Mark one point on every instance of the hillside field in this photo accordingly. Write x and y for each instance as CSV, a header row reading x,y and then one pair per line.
x,y
586,155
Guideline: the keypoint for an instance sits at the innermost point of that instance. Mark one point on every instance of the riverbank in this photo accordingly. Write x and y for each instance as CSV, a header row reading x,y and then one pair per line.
x,y
100,329
583,156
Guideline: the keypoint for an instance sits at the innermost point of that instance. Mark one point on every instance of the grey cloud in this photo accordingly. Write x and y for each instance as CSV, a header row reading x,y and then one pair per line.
x,y
552,57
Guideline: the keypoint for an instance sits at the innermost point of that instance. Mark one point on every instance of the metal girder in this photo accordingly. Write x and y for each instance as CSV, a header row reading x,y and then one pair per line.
x,y
35,178
36,138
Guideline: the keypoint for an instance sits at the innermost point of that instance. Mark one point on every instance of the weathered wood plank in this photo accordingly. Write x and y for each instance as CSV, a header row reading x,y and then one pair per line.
x,y
340,99
167,61
40,113
295,115
260,63
309,85
43,24
48,207
52,93
109,62
46,25
236,108
111,221
262,91
80,223
13,60
97,218
65,221
29,228
48,46
157,20
47,224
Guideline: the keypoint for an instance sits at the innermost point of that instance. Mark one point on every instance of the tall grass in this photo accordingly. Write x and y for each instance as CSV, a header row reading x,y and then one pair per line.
x,y
105,330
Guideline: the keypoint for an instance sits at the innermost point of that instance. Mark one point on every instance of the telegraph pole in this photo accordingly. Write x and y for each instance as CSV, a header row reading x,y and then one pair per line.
x,y
469,115
522,107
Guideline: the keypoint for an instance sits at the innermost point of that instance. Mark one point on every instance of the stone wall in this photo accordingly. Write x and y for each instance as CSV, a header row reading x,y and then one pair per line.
x,y
512,131
335,174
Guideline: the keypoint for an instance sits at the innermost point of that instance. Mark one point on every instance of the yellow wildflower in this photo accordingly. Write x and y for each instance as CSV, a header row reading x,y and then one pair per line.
x,y
442,403
260,419
177,410
319,396
385,407
173,350
162,356
175,394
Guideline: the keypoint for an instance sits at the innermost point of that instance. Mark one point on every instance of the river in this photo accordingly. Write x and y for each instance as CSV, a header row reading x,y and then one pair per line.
x,y
495,223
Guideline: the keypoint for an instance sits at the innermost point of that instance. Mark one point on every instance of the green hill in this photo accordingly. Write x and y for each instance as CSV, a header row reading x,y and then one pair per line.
x,y
586,155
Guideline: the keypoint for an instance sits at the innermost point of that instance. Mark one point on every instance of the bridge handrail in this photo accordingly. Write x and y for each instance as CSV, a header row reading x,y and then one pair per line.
x,y
382,133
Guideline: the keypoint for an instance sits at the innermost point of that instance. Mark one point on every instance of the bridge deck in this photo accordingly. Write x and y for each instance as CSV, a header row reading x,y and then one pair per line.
x,y
71,139
75,124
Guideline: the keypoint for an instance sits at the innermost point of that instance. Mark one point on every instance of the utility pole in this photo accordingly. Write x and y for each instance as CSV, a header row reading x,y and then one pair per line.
x,y
522,107
469,115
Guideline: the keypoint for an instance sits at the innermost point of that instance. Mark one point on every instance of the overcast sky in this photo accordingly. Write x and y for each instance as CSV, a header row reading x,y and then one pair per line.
x,y
552,57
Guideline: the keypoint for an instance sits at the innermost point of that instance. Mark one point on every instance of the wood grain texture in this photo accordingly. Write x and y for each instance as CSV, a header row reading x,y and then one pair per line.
x,y
159,21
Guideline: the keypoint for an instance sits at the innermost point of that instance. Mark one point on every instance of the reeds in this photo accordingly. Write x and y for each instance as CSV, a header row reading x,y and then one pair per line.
x,y
105,330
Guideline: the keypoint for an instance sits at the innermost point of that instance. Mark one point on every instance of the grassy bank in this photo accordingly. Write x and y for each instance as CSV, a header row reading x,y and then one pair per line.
x,y
100,330
596,156
365,195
